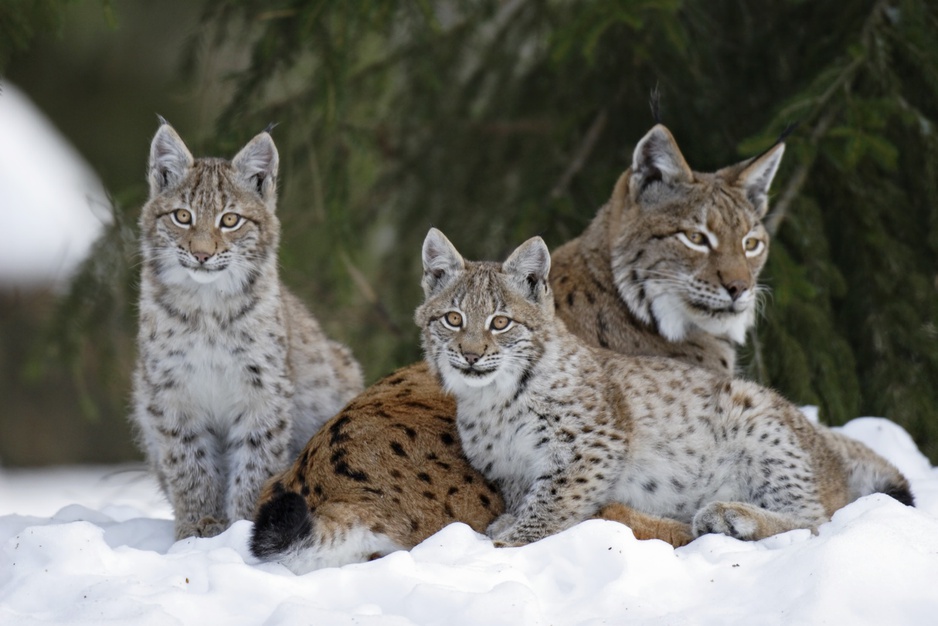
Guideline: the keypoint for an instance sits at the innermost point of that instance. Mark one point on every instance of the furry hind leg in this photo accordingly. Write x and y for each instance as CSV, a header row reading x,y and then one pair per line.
x,y
746,521
648,526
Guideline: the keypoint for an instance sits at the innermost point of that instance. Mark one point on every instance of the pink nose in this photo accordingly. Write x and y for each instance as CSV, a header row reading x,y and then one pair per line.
x,y
736,288
201,257
471,357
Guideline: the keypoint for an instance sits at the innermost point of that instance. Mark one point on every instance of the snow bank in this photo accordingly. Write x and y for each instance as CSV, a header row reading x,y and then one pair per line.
x,y
111,557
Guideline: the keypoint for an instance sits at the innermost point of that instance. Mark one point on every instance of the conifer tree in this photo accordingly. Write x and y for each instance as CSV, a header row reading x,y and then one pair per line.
x,y
500,120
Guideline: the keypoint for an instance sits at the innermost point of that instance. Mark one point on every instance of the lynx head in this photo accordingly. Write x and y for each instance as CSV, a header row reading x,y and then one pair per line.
x,y
687,247
210,220
480,320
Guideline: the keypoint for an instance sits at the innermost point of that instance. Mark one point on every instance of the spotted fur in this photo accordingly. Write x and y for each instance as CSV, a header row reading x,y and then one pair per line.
x,y
233,374
563,428
669,266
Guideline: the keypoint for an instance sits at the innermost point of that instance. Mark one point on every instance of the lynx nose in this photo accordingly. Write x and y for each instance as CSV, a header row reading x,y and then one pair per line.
x,y
201,257
471,357
736,288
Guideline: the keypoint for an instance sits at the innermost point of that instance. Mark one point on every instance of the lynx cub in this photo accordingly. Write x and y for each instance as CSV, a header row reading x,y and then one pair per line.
x,y
563,428
669,265
319,513
233,374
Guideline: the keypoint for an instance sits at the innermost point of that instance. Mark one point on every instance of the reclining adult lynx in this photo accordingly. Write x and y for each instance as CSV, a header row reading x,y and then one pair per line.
x,y
647,231
563,428
669,265
233,374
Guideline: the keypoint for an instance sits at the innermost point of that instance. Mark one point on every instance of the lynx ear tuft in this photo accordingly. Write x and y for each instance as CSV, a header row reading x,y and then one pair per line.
x,y
170,159
658,159
257,164
757,176
529,267
441,262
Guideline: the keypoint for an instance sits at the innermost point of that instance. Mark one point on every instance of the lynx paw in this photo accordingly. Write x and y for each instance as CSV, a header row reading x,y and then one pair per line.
x,y
727,519
205,527
501,524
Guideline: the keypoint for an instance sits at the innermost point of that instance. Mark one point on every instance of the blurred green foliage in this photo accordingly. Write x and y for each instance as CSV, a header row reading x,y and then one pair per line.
x,y
498,120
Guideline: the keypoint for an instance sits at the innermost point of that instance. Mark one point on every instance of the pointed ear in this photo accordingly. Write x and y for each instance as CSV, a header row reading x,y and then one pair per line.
x,y
756,177
257,165
657,158
441,262
529,266
170,159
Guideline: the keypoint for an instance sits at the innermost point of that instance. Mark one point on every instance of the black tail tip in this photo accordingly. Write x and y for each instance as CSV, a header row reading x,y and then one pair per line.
x,y
900,492
279,523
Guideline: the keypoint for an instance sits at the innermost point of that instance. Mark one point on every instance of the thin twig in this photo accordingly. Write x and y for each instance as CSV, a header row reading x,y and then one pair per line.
x,y
582,154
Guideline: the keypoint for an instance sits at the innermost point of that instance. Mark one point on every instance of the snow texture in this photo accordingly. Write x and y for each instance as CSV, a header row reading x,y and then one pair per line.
x,y
108,555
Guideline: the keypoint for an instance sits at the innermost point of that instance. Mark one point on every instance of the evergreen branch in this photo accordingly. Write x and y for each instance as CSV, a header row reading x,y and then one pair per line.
x,y
581,155
368,292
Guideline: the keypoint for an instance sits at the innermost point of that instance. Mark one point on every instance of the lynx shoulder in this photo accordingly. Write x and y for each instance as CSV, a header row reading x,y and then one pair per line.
x,y
563,428
233,373
669,266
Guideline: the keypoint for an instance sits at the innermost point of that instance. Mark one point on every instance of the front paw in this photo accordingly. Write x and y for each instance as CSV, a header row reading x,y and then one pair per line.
x,y
501,524
726,519
205,527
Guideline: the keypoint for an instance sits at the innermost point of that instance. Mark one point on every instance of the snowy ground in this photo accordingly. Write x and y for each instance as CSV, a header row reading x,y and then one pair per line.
x,y
87,546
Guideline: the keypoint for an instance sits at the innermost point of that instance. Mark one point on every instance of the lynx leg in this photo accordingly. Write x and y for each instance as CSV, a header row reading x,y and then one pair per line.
x,y
746,521
258,447
193,482
648,526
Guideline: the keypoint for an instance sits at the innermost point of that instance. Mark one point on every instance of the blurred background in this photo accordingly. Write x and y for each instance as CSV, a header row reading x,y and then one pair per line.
x,y
492,120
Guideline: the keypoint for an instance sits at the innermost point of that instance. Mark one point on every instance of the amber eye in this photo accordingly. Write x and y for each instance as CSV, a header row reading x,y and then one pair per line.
x,y
453,319
752,244
500,322
231,220
697,238
182,217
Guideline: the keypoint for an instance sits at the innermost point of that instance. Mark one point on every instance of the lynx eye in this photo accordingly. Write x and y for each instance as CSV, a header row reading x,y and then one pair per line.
x,y
231,221
696,237
696,240
500,323
753,246
453,320
181,217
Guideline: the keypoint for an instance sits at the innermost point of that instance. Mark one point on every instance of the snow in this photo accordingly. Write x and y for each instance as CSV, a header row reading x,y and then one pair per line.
x,y
90,545
52,204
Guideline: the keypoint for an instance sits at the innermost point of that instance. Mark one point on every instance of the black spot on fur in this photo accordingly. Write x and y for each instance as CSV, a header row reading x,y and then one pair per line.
x,y
447,439
280,522
335,430
398,449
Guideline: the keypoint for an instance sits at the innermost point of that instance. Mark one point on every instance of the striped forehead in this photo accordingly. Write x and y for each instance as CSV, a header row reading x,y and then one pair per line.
x,y
209,184
727,210
483,288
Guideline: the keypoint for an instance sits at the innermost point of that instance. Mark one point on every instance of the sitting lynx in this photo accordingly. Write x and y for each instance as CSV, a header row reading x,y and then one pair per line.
x,y
640,233
563,428
233,374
